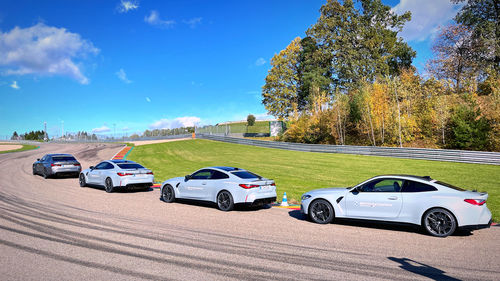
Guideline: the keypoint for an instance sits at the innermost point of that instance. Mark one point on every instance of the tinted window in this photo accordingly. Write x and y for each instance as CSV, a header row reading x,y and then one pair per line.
x,y
101,165
130,166
246,175
450,186
413,186
382,185
201,175
63,158
216,175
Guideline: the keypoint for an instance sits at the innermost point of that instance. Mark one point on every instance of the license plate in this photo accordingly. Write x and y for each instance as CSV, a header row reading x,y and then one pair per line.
x,y
265,187
67,166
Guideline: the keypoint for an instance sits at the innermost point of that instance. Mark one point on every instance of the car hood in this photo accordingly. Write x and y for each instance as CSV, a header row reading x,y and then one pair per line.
x,y
178,179
330,190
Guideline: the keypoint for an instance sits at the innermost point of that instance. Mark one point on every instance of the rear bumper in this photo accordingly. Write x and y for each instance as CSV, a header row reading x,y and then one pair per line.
x,y
64,170
261,201
134,181
476,226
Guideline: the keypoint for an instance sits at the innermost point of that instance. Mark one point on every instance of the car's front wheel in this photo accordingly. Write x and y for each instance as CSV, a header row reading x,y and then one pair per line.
x,y
108,185
34,172
439,222
321,211
225,201
168,194
82,181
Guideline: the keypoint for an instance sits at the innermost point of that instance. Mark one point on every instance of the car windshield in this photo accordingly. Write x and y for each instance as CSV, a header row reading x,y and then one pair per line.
x,y
130,166
450,186
63,158
246,175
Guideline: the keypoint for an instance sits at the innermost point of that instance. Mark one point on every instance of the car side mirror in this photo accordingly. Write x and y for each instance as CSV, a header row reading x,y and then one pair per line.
x,y
92,167
38,159
187,177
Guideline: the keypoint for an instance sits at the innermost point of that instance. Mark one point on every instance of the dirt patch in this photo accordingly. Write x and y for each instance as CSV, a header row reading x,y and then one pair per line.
x,y
5,147
139,143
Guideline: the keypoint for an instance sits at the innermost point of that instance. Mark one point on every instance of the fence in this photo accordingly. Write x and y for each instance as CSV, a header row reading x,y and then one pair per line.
x,y
240,129
462,156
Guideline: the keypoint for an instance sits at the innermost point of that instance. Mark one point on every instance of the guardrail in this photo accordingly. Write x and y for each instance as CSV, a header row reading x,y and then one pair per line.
x,y
463,156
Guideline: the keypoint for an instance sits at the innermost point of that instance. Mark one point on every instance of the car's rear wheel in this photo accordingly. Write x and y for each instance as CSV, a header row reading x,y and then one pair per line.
x,y
168,194
439,222
108,185
82,181
34,172
225,201
321,211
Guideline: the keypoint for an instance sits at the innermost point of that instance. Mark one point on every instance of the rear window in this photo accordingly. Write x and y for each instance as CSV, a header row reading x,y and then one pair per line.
x,y
450,186
130,166
63,158
246,175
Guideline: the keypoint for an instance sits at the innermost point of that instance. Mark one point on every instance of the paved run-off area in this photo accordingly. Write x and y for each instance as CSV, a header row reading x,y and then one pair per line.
x,y
54,229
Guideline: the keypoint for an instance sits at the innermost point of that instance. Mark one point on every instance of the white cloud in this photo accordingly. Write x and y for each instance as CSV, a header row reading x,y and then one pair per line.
x,y
126,6
188,121
426,17
154,19
123,76
148,99
193,22
102,129
260,61
15,86
44,50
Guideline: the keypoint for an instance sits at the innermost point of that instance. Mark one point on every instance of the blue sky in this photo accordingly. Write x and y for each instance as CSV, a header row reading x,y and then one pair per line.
x,y
136,65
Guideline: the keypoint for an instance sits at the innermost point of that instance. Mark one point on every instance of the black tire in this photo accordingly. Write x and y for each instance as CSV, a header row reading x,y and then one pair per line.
x,y
44,174
439,222
225,201
321,211
34,172
168,194
81,180
108,185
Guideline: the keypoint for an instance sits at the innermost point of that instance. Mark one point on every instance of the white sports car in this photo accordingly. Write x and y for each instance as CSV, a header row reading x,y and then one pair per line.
x,y
225,186
438,207
113,174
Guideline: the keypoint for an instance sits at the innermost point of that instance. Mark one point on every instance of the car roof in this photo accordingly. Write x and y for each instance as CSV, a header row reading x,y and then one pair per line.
x,y
224,168
121,161
59,154
422,178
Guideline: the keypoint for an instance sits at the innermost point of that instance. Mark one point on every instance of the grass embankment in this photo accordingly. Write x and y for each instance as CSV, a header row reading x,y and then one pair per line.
x,y
25,147
297,172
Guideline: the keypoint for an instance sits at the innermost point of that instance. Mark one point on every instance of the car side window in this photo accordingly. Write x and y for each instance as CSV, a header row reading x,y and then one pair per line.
x,y
108,166
216,175
100,166
414,186
43,158
382,185
201,175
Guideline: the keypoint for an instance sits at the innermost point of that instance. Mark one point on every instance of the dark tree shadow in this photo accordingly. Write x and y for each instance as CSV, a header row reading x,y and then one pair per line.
x,y
422,269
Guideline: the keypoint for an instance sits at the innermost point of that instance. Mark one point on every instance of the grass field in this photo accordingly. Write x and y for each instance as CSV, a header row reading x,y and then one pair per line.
x,y
25,147
297,172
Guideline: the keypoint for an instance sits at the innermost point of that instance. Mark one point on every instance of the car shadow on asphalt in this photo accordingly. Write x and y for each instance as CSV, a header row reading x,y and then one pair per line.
x,y
121,190
422,269
207,204
377,224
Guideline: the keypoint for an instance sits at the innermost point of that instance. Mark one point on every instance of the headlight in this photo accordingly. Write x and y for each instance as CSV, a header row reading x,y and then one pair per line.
x,y
305,196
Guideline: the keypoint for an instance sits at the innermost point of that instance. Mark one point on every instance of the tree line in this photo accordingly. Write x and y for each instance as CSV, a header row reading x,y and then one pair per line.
x,y
351,80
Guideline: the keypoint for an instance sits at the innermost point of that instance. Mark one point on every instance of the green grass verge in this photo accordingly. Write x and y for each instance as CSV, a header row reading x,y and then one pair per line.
x,y
25,147
297,172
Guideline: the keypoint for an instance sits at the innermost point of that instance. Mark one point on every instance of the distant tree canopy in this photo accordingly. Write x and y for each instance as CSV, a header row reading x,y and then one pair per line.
x,y
33,135
250,120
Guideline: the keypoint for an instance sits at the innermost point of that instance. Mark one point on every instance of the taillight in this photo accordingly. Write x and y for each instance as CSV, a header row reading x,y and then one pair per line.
x,y
149,173
77,164
273,184
248,186
55,165
477,202
124,174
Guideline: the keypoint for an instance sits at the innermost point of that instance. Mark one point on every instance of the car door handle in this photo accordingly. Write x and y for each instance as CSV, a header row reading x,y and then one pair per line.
x,y
203,183
393,198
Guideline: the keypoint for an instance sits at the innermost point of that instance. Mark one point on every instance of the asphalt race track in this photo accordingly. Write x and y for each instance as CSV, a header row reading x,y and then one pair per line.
x,y
55,230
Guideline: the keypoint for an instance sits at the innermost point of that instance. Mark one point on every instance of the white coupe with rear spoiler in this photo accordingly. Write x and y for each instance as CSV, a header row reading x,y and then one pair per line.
x,y
224,186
